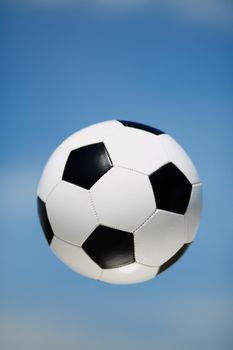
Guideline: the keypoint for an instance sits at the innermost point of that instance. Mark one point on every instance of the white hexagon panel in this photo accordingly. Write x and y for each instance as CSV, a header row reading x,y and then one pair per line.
x,y
136,149
158,239
123,199
119,201
70,213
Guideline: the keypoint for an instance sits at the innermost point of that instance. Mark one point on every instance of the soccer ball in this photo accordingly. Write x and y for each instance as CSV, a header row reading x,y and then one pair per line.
x,y
119,202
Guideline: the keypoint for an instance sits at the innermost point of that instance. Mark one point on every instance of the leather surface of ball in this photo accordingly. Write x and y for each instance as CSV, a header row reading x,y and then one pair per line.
x,y
119,202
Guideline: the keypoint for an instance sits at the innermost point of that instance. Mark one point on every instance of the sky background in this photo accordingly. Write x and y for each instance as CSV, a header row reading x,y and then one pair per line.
x,y
68,64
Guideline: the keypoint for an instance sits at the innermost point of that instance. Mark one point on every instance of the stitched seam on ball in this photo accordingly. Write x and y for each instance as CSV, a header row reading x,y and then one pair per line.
x,y
154,212
68,242
147,265
93,207
130,169
52,190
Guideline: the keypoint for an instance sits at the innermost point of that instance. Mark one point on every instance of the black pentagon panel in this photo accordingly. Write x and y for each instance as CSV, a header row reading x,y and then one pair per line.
x,y
44,220
171,188
141,126
174,258
110,248
86,165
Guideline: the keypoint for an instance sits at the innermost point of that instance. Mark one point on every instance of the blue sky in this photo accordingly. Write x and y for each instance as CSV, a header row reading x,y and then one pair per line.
x,y
68,64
